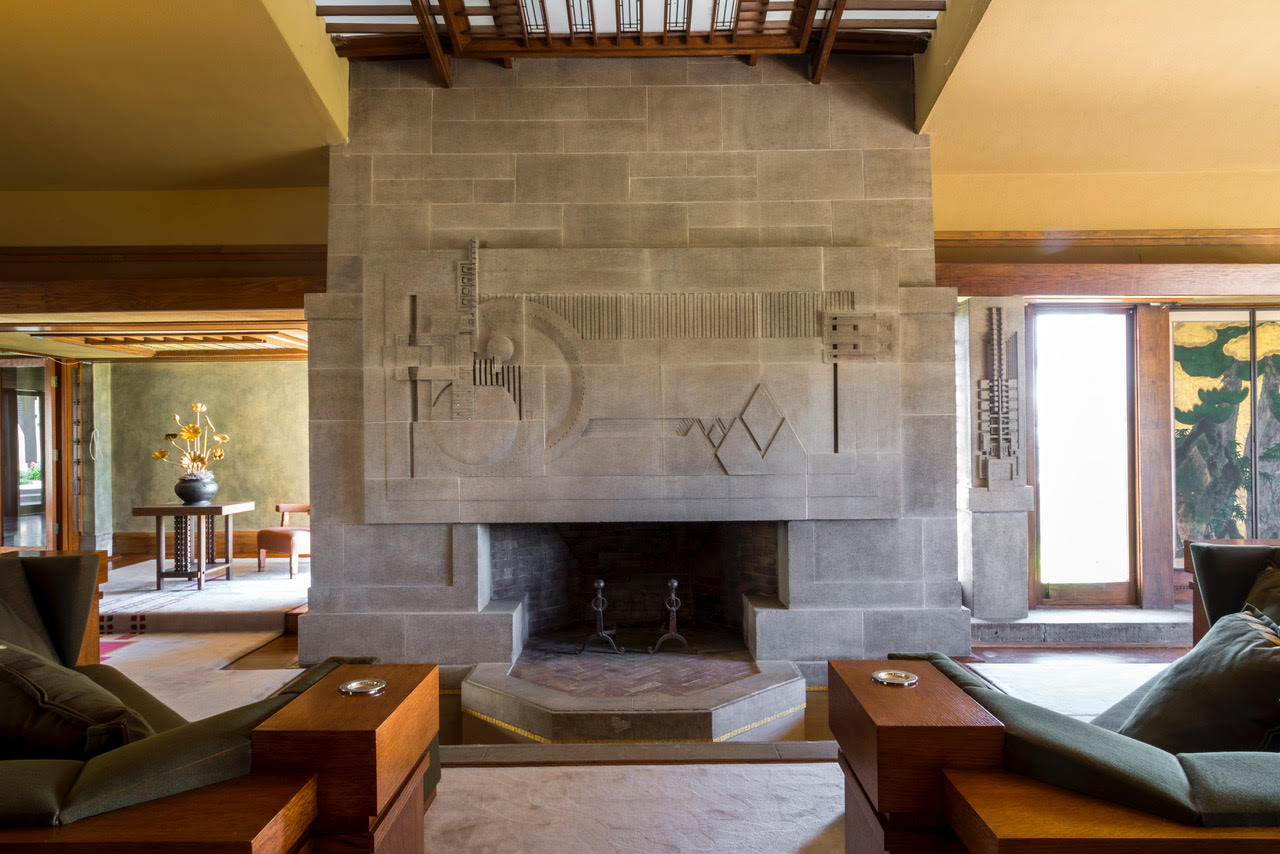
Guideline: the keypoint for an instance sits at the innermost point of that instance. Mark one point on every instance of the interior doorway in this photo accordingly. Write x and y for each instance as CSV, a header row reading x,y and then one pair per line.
x,y
1082,455
25,477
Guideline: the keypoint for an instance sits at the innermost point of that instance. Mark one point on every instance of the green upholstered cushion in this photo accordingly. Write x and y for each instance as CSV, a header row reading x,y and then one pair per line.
x,y
1235,788
198,754
958,674
48,711
64,587
20,619
1225,573
31,790
1114,717
1066,752
314,674
1265,593
1222,695
159,716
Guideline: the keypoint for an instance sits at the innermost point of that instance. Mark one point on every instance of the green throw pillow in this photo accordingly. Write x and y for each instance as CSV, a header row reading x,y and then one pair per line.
x,y
1265,593
1222,695
20,620
48,711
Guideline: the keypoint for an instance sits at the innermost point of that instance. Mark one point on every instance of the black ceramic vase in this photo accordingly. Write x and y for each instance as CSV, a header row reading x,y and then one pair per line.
x,y
195,489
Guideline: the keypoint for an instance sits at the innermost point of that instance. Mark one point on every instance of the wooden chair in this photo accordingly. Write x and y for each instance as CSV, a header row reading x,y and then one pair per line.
x,y
293,541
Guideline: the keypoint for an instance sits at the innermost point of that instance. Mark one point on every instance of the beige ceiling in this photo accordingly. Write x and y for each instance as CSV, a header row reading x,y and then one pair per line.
x,y
167,94
1112,114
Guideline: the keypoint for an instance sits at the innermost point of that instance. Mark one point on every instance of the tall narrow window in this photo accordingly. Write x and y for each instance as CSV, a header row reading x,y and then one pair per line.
x,y
1082,464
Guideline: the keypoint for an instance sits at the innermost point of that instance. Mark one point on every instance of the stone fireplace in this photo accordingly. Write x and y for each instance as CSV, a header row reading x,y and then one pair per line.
x,y
579,306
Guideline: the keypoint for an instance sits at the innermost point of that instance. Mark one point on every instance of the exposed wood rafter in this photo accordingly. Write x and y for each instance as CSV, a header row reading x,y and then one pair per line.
x,y
439,59
822,55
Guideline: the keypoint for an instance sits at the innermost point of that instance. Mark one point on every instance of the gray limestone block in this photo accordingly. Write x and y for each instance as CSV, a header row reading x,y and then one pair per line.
x,y
939,549
1015,500
332,306
334,343
328,565
927,301
929,465
776,633
943,630
928,388
336,479
926,337
496,634
323,635
399,555
335,394
998,590
867,550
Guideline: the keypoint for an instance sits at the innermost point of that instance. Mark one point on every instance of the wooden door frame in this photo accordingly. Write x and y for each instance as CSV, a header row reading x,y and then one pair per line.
x,y
1117,594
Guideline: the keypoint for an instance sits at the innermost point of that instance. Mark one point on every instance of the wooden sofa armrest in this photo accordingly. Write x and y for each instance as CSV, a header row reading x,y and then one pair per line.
x,y
259,814
996,812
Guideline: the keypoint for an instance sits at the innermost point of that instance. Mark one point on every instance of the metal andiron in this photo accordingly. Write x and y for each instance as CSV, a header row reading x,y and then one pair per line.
x,y
598,604
673,605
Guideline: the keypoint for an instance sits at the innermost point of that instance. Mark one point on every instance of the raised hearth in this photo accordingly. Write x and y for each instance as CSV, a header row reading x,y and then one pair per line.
x,y
554,695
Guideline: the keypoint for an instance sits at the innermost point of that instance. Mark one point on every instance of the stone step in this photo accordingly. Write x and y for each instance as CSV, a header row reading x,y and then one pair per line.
x,y
1088,626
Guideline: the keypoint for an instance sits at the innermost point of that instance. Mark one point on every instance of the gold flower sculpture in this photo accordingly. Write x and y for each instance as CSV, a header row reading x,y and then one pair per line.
x,y
200,446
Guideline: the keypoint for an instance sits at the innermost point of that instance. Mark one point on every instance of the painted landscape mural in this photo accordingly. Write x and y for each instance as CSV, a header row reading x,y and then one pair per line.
x,y
1215,419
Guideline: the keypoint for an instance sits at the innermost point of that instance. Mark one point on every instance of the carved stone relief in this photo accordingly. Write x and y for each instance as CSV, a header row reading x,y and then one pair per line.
x,y
997,459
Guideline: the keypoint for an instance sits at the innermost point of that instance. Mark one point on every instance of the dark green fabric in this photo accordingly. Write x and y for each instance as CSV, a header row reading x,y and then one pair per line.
x,y
1265,593
188,757
962,676
133,695
431,777
31,790
1235,789
21,622
1222,695
48,711
64,587
1061,750
314,674
1114,717
1225,573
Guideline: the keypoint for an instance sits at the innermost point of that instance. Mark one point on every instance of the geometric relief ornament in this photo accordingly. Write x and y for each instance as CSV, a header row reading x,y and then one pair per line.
x,y
496,383
997,437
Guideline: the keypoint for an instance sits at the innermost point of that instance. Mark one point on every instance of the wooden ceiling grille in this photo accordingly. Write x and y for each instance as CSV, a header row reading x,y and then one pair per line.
x,y
504,29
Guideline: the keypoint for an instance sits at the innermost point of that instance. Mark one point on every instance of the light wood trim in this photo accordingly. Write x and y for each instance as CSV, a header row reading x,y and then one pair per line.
x,y
1103,237
1131,281
439,59
822,55
143,545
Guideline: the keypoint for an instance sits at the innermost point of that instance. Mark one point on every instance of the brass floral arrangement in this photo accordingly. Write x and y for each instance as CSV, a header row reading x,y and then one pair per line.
x,y
200,448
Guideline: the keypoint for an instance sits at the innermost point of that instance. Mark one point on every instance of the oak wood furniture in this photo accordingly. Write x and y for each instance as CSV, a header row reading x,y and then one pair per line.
x,y
979,808
293,541
895,743
995,812
369,754
186,564
259,814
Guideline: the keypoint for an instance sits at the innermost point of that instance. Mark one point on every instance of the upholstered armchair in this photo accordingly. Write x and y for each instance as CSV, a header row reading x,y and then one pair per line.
x,y
286,539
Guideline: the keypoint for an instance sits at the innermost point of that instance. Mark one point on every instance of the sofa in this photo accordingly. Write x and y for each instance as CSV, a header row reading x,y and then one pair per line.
x,y
1059,783
144,752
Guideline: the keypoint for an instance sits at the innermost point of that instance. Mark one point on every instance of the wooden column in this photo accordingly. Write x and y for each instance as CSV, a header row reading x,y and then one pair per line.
x,y
1153,449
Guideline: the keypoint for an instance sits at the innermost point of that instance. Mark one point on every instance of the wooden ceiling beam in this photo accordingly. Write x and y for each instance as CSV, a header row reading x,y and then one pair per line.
x,y
889,24
897,5
649,45
439,59
371,27
808,15
458,40
818,63
325,10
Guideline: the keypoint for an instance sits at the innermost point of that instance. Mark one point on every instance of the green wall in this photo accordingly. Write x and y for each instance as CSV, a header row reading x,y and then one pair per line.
x,y
262,406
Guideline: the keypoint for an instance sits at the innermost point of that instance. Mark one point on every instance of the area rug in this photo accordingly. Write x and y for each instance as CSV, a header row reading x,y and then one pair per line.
x,y
250,601
640,809
184,670
1083,689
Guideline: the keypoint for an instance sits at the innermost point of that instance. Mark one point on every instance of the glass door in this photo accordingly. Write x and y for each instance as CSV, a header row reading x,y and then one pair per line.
x,y
1082,456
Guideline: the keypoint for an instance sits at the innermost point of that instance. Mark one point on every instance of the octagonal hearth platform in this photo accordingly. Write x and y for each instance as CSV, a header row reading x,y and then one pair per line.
x,y
555,696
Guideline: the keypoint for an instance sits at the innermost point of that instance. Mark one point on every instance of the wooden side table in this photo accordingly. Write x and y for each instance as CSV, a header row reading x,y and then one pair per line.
x,y
186,564
895,743
368,752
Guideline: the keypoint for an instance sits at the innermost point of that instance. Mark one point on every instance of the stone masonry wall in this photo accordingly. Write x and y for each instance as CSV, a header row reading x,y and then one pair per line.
x,y
642,176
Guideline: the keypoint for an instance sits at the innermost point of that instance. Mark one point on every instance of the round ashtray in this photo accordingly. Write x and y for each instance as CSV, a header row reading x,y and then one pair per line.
x,y
363,687
896,678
